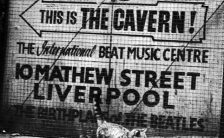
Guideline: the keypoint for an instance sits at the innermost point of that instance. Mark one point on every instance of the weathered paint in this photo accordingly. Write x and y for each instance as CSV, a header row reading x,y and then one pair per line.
x,y
58,60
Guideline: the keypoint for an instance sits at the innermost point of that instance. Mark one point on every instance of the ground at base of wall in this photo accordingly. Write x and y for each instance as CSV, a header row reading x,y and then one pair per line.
x,y
16,135
11,136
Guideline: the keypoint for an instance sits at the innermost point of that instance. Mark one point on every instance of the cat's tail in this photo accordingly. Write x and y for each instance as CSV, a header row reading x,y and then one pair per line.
x,y
98,112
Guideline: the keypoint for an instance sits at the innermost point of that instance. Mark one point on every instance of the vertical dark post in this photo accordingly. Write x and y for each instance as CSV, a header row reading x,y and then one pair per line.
x,y
221,130
111,45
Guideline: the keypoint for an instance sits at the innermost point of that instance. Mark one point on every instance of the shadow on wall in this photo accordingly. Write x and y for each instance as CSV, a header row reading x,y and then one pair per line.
x,y
2,13
2,47
2,30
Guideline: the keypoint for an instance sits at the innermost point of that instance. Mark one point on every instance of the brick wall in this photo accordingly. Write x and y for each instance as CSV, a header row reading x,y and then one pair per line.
x,y
165,71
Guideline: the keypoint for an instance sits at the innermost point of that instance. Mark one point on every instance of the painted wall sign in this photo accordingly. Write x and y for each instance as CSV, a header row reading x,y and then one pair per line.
x,y
139,20
155,64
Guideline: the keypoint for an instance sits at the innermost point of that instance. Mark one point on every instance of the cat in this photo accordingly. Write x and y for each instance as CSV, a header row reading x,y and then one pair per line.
x,y
112,130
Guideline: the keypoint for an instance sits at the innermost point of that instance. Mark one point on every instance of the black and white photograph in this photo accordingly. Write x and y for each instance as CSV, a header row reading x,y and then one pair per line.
x,y
112,69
